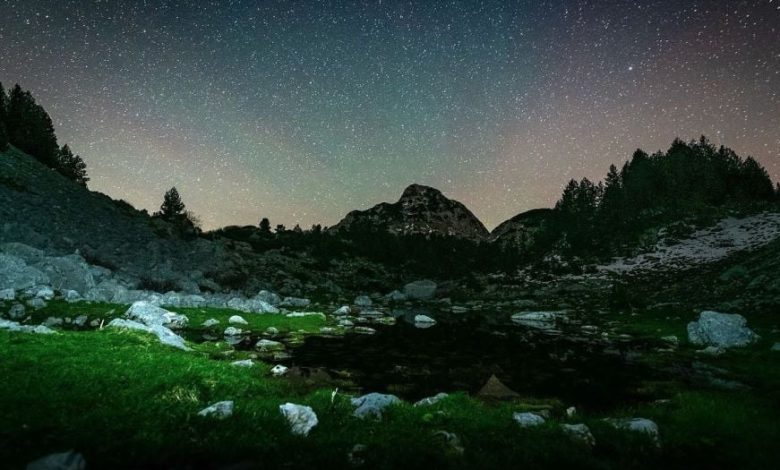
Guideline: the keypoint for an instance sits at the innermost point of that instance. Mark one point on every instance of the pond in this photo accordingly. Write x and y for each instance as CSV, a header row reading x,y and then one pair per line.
x,y
461,352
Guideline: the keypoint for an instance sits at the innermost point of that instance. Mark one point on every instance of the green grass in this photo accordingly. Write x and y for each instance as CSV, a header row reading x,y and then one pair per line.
x,y
124,400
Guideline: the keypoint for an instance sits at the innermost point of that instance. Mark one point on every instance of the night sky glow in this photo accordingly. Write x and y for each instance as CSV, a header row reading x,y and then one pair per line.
x,y
302,111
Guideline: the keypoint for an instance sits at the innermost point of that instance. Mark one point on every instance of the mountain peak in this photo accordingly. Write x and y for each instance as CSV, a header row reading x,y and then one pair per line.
x,y
420,210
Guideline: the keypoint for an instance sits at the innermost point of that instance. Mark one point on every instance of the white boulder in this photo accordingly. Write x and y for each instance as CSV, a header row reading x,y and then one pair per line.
x,y
301,419
722,330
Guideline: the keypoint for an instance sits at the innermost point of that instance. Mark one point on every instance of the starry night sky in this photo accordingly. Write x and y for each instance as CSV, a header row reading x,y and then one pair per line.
x,y
302,111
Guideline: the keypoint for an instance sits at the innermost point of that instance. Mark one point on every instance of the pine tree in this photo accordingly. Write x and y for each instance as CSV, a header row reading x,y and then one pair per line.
x,y
3,111
72,166
30,128
172,206
265,226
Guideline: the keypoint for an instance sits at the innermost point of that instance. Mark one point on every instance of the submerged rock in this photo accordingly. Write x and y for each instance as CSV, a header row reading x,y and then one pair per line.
x,y
70,460
538,320
495,389
373,404
423,321
528,420
219,410
301,419
363,301
721,330
420,290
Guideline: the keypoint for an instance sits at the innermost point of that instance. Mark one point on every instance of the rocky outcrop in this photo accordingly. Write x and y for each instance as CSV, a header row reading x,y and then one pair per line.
x,y
420,210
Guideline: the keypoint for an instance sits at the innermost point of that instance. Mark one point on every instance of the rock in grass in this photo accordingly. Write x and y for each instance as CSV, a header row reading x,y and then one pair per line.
x,y
301,419
62,461
579,432
219,410
428,401
279,370
343,310
267,345
528,420
233,331
451,441
373,404
210,322
725,330
495,389
640,425
16,327
237,320
243,363
151,315
165,335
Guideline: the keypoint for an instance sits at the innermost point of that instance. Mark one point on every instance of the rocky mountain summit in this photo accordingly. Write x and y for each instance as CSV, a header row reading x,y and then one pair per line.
x,y
519,231
420,210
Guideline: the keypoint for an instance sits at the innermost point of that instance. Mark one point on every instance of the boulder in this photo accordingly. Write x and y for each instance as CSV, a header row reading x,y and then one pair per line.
x,y
164,334
396,296
210,322
579,432
67,272
45,293
267,345
254,305
420,290
269,297
301,419
640,425
36,303
151,315
16,312
219,410
342,311
237,320
722,330
363,301
233,331
16,274
243,363
528,420
295,302
373,404
429,401
61,461
279,370
16,327
424,319
7,294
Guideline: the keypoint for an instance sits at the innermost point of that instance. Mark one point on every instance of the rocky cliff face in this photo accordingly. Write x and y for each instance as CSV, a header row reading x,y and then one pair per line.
x,y
420,210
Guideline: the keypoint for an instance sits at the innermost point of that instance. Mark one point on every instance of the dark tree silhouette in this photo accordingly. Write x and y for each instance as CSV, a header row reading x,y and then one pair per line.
x,y
72,166
29,127
172,206
3,111
265,226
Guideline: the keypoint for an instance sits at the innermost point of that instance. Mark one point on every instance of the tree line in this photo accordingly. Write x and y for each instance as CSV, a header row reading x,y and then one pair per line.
x,y
26,125
689,179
